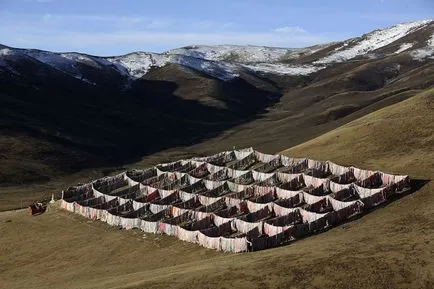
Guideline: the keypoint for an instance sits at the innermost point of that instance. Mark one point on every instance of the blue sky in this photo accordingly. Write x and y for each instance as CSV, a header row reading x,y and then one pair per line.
x,y
109,27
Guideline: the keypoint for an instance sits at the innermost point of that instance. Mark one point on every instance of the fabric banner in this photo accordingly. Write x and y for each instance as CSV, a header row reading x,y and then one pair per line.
x,y
272,230
311,199
282,211
337,170
338,205
286,194
265,158
149,227
244,227
361,174
253,207
208,242
309,217
318,165
154,208
335,187
315,182
187,236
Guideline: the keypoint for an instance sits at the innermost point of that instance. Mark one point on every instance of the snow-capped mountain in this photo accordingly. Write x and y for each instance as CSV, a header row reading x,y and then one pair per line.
x,y
226,62
234,53
135,104
372,41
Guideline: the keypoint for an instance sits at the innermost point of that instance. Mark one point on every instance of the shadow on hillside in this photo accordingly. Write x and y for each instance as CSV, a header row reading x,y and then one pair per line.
x,y
115,125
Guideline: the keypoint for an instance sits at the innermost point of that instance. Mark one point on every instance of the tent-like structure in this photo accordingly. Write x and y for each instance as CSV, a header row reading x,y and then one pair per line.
x,y
234,201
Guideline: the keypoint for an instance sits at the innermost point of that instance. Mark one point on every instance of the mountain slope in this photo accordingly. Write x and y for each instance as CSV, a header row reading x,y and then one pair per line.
x,y
391,247
397,138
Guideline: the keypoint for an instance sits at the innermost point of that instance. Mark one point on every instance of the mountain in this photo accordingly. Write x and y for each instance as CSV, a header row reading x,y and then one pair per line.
x,y
64,112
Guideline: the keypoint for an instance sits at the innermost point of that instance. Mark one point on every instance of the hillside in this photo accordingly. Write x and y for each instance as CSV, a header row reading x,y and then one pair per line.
x,y
397,138
391,247
67,116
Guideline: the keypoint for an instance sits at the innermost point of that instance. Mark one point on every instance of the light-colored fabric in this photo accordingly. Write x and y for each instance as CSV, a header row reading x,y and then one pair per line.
x,y
259,177
207,200
318,165
201,215
154,208
336,169
127,223
138,205
338,205
166,193
364,192
236,187
361,174
208,242
230,202
213,184
130,181
178,211
311,199
335,187
240,245
272,230
218,221
309,217
285,178
261,190
213,168
241,154
149,227
187,236
265,158
315,182
253,207
96,204
286,194
282,211
244,227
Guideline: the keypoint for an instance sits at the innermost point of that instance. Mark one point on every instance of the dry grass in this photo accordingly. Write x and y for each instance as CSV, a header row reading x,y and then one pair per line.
x,y
392,247
398,139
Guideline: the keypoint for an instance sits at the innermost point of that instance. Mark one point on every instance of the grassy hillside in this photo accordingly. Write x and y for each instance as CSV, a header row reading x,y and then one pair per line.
x,y
398,139
392,247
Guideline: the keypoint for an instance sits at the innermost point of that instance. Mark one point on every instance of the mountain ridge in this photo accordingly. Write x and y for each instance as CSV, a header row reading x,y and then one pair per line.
x,y
224,57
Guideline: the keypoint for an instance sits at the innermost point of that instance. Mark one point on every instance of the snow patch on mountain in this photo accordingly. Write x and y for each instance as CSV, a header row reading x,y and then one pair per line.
x,y
138,64
234,53
373,41
221,70
54,60
425,52
284,69
84,59
5,51
404,47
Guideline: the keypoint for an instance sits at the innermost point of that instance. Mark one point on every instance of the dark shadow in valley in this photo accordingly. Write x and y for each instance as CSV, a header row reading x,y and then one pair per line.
x,y
120,122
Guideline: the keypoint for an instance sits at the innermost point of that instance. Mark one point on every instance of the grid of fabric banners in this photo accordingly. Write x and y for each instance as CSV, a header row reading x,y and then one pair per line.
x,y
234,201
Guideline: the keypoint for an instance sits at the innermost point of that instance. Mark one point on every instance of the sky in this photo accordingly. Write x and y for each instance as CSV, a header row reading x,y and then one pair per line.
x,y
109,27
